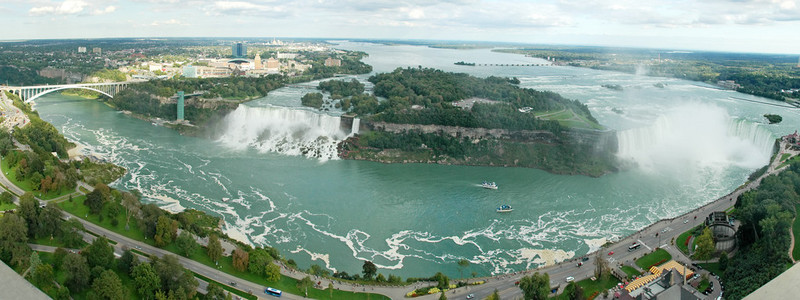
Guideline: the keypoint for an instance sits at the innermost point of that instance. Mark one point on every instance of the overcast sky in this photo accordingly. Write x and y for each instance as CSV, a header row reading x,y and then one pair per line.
x,y
727,25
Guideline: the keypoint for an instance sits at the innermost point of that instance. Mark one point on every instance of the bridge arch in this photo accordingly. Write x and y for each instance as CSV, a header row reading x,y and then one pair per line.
x,y
66,88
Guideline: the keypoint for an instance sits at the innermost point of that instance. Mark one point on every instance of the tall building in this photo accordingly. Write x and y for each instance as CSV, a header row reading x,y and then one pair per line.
x,y
239,50
81,49
96,50
257,62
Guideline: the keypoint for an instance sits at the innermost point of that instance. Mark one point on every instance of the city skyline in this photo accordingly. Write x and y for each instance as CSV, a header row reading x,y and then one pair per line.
x,y
720,25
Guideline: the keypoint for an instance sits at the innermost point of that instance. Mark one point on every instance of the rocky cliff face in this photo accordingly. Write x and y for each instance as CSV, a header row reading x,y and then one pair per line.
x,y
600,140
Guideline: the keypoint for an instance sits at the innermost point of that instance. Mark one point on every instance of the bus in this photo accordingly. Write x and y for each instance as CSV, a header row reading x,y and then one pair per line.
x,y
273,292
634,246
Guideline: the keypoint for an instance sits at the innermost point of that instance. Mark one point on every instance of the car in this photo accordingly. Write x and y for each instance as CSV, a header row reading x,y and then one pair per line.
x,y
470,296
570,279
611,253
584,259
233,283
685,221
580,264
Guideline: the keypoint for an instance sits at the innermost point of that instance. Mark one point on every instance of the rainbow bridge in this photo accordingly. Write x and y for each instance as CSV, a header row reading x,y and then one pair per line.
x,y
30,93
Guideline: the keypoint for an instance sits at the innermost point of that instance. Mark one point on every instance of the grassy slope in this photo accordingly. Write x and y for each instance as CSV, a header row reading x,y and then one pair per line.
x,y
286,284
648,260
26,185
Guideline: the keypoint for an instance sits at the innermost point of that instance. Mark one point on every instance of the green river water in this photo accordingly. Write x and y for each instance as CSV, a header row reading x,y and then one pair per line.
x,y
691,142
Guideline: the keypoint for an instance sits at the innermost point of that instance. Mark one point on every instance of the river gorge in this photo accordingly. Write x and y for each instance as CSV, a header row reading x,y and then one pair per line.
x,y
277,164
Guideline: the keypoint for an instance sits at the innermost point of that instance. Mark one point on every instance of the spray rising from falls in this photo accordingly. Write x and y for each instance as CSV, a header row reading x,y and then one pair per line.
x,y
697,135
286,131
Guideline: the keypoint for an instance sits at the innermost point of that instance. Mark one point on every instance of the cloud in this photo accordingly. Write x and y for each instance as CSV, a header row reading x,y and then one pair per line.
x,y
68,7
167,22
109,9
243,8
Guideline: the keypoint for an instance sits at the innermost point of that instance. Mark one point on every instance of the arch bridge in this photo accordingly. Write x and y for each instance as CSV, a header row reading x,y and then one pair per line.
x,y
30,93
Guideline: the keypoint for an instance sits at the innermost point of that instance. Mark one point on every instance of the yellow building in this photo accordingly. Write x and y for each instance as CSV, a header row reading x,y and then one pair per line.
x,y
257,62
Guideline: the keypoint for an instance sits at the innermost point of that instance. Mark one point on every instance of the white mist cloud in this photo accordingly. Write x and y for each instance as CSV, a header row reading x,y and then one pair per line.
x,y
109,9
68,7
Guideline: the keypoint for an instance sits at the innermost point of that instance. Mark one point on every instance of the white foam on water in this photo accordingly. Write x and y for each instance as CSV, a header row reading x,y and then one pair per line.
x,y
316,256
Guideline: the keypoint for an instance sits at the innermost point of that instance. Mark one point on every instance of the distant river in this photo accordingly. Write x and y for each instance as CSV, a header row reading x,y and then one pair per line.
x,y
692,143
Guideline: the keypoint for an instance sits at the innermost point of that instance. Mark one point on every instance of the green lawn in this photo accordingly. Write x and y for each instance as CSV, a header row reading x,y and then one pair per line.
x,y
712,267
796,232
631,271
77,208
703,285
789,161
7,206
54,242
26,185
681,241
648,260
590,287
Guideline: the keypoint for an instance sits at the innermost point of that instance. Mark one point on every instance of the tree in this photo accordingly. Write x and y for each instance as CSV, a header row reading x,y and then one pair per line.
x,y
132,207
150,214
380,278
71,233
145,280
14,239
77,271
58,257
94,200
214,248
259,259
240,259
6,198
63,293
443,281
535,287
29,211
215,292
99,253
126,262
705,245
186,243
108,286
174,277
273,272
601,269
462,264
166,229
723,261
369,269
43,277
442,296
50,220
35,261
304,284
574,291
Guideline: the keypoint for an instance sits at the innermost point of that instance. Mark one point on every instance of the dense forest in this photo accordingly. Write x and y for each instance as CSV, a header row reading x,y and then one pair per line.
x,y
143,98
341,88
433,91
766,215
350,64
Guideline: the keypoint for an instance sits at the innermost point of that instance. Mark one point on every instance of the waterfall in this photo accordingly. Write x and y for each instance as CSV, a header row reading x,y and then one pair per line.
x,y
283,130
697,135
